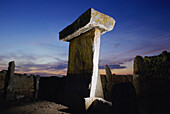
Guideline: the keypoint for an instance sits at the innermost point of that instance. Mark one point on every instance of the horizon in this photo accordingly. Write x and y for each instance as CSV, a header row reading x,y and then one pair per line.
x,y
62,75
29,33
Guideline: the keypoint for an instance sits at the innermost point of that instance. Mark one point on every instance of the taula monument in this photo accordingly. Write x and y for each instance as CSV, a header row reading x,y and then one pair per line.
x,y
83,84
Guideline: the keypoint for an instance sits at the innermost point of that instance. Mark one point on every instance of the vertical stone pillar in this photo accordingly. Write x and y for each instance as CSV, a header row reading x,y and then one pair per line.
x,y
109,84
11,68
138,73
83,79
10,73
36,85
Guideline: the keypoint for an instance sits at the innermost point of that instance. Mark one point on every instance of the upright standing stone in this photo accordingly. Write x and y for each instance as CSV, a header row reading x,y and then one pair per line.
x,y
11,68
109,83
10,73
138,73
36,85
83,75
108,73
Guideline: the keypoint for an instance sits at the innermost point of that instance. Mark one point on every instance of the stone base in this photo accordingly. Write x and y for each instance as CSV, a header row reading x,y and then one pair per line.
x,y
89,101
98,106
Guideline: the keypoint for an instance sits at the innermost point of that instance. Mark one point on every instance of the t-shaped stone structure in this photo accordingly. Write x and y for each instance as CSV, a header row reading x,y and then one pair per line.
x,y
83,74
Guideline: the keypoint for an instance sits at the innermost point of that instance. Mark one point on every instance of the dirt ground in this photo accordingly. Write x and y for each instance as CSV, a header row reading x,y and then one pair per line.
x,y
33,107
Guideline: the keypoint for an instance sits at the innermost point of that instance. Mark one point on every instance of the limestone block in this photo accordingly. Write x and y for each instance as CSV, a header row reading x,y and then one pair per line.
x,y
138,72
84,37
20,85
87,21
99,88
82,56
98,106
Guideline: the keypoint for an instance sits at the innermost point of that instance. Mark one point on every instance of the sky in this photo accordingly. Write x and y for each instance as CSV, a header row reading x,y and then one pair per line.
x,y
29,33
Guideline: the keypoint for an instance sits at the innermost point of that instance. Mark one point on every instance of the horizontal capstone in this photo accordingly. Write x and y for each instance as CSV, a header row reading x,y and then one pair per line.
x,y
87,21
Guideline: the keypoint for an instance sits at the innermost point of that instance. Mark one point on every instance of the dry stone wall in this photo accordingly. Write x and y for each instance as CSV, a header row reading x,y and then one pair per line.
x,y
151,79
2,83
22,86
153,67
109,80
157,67
16,86
115,79
150,69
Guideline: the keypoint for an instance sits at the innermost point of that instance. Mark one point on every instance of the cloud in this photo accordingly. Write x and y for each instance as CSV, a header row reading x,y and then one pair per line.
x,y
59,66
51,46
123,60
113,67
116,45
2,57
141,47
118,61
34,64
16,56
157,50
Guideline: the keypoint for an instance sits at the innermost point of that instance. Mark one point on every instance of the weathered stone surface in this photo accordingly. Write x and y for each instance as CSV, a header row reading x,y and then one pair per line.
x,y
97,93
84,36
87,21
150,68
16,86
96,86
20,86
157,67
98,89
152,86
80,67
81,54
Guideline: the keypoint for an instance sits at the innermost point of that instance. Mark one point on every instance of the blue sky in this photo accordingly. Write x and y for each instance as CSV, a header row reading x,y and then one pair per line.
x,y
29,33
